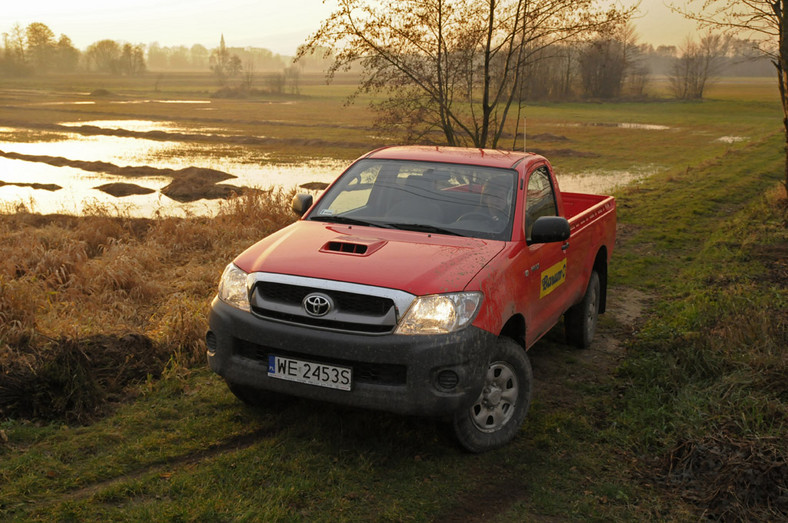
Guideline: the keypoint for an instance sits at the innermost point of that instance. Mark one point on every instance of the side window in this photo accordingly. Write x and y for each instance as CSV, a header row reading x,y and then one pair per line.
x,y
539,199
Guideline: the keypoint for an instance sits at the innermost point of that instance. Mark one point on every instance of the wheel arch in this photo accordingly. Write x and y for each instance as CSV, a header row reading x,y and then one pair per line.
x,y
515,329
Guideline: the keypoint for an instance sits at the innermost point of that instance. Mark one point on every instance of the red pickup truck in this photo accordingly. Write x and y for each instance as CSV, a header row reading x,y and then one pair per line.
x,y
415,284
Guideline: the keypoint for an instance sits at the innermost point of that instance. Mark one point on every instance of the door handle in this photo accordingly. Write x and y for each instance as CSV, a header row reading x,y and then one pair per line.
x,y
565,246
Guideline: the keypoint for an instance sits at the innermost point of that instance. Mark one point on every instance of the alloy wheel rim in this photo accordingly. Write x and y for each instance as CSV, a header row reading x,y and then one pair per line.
x,y
495,406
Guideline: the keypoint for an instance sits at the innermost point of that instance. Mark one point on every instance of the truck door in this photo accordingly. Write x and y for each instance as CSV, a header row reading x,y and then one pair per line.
x,y
546,288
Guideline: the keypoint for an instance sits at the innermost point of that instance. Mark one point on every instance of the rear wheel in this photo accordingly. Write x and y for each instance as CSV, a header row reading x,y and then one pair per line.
x,y
580,320
496,415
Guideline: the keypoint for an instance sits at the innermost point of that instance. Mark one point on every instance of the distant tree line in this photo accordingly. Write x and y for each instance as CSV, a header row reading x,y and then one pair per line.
x,y
615,65
607,65
35,50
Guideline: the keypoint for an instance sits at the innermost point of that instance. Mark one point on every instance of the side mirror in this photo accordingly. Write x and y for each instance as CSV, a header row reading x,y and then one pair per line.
x,y
549,229
301,203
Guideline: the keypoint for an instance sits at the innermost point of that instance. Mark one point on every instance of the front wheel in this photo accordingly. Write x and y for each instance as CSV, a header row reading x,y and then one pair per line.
x,y
494,418
580,320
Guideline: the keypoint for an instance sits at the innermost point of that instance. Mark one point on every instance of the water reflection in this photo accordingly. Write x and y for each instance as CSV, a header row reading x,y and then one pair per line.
x,y
126,102
144,126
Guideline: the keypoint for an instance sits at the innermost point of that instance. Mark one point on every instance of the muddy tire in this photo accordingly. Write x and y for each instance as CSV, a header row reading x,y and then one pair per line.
x,y
580,320
495,416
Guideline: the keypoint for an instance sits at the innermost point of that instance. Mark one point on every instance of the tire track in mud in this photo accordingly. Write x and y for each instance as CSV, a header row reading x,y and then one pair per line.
x,y
234,444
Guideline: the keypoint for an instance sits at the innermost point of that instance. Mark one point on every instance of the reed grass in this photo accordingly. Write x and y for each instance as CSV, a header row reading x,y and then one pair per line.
x,y
64,280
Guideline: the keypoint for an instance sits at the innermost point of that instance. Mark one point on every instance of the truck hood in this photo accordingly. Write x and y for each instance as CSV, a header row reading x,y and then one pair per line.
x,y
415,262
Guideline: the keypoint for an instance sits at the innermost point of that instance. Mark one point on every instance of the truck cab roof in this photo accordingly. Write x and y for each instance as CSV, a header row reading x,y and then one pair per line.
x,y
483,157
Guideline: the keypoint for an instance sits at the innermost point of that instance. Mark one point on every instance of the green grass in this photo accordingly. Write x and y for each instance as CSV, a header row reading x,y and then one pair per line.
x,y
702,378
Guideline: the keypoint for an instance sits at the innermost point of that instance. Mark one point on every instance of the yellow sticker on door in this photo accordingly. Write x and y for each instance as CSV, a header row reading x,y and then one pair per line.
x,y
552,278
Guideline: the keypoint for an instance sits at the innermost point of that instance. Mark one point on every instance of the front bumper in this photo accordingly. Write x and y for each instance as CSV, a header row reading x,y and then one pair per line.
x,y
396,373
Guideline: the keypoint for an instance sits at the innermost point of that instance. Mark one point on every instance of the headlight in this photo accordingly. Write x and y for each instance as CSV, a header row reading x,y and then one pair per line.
x,y
232,288
440,313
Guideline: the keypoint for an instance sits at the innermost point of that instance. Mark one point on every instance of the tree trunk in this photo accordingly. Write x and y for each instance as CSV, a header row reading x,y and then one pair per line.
x,y
781,10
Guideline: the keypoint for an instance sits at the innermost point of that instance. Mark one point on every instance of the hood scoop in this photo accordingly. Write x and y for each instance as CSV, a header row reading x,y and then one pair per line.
x,y
353,246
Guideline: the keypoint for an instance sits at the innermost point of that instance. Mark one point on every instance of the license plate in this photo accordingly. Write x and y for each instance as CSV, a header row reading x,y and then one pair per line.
x,y
319,374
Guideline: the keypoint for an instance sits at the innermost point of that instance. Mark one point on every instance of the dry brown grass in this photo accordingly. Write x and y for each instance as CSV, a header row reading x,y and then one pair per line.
x,y
104,276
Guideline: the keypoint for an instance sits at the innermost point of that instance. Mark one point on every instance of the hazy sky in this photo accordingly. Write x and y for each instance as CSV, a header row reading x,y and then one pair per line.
x,y
278,25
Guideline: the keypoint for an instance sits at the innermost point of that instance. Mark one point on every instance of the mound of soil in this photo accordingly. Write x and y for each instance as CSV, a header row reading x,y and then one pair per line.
x,y
74,379
314,186
196,183
120,189
43,186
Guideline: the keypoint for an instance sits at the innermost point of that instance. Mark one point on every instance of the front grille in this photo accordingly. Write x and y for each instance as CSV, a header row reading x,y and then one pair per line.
x,y
363,372
345,301
352,312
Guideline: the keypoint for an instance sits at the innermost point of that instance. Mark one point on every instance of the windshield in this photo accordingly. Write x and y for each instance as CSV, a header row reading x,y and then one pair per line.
x,y
442,198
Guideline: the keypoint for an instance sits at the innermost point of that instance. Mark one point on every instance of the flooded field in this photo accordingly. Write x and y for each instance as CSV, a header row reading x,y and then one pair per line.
x,y
127,165
146,153
66,172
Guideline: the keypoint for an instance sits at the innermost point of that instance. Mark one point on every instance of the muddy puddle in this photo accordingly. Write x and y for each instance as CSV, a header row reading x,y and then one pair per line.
x,y
732,139
72,172
618,125
604,182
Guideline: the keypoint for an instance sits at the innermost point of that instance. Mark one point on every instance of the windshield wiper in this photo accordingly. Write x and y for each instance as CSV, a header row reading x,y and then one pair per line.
x,y
420,227
346,220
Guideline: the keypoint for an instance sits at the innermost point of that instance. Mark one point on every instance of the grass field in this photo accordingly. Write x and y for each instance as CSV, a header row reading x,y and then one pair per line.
x,y
677,413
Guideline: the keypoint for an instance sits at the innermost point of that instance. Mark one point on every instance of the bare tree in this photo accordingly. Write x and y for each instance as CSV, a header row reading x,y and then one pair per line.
x,y
132,60
66,55
14,61
248,76
603,67
40,46
104,55
234,66
275,83
451,66
698,64
766,20
292,76
550,73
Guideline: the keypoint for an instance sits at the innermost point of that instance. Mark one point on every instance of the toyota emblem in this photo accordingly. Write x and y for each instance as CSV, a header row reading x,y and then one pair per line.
x,y
317,304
